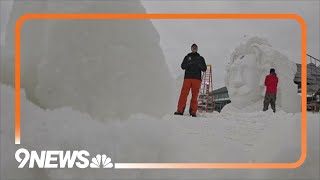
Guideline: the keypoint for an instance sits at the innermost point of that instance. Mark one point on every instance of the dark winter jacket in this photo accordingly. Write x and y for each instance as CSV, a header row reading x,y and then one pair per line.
x,y
271,82
193,64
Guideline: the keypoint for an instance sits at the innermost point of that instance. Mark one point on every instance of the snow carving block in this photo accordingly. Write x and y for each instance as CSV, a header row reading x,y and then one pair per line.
x,y
245,74
107,68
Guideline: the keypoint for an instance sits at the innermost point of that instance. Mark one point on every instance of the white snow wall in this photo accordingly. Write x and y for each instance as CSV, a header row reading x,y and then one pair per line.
x,y
107,68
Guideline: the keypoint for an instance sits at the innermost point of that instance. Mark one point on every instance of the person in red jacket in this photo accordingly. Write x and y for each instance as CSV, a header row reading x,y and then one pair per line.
x,y
193,64
271,82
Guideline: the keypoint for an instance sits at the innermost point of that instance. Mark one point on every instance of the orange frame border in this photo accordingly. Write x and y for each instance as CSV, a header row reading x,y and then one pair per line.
x,y
295,17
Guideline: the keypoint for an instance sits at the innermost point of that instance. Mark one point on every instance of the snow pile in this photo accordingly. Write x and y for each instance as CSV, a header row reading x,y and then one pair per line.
x,y
245,74
107,68
228,137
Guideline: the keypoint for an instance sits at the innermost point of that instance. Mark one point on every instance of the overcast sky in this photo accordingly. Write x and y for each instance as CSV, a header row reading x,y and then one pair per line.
x,y
218,38
5,8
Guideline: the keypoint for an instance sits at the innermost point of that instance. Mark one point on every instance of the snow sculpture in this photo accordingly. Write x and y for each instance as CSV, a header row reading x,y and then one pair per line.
x,y
245,74
107,68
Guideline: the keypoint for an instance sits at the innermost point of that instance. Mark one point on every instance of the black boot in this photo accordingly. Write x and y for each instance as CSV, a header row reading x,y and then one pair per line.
x,y
178,113
193,115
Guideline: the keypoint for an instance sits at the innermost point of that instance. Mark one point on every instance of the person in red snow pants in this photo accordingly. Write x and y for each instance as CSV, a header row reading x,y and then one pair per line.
x,y
193,64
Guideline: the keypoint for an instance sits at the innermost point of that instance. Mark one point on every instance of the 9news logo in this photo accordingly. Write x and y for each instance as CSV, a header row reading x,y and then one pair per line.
x,y
61,159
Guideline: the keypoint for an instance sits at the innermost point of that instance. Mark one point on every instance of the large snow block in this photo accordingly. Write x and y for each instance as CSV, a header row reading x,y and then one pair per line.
x,y
102,67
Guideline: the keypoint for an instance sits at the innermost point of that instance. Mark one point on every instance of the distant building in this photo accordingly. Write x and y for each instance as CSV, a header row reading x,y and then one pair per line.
x,y
220,98
313,79
313,83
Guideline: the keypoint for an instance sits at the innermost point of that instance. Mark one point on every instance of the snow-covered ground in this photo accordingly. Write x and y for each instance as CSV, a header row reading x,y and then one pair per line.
x,y
227,137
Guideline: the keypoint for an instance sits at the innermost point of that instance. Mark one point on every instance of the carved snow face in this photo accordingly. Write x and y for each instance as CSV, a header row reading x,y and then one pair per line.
x,y
243,82
249,64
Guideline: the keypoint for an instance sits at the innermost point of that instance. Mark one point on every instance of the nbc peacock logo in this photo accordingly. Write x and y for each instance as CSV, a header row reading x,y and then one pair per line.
x,y
101,161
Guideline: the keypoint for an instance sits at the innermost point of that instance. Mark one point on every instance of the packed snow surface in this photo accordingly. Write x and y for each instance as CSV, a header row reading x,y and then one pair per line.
x,y
225,137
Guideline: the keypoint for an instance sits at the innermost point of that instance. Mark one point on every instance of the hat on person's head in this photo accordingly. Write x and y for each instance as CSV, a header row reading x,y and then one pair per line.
x,y
194,45
272,70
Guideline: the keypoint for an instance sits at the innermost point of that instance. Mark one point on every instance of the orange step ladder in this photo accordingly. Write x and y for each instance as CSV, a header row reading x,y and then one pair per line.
x,y
205,101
